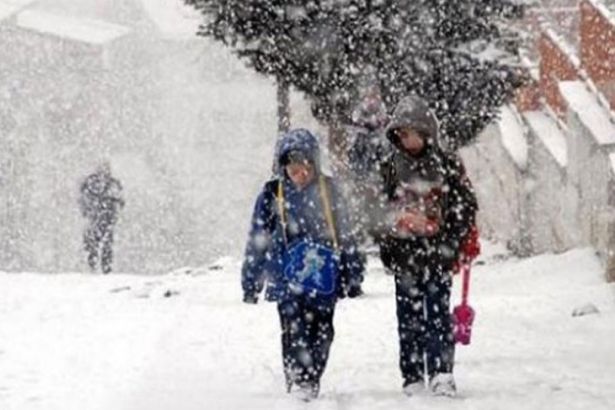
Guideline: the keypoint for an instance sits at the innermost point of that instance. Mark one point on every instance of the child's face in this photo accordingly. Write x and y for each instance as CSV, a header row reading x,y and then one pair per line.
x,y
300,173
410,140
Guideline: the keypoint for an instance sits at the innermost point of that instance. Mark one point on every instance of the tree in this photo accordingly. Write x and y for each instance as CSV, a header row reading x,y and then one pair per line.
x,y
460,55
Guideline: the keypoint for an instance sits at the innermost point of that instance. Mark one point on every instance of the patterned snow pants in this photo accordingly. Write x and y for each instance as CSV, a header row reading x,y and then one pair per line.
x,y
425,327
98,243
307,334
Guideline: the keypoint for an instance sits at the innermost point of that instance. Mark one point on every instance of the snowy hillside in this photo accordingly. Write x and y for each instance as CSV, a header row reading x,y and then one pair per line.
x,y
184,341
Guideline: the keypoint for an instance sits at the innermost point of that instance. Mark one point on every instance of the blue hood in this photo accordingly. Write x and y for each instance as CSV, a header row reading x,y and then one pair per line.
x,y
298,140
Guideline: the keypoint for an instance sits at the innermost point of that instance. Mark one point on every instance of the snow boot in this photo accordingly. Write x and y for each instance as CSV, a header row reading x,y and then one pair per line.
x,y
413,388
306,392
443,384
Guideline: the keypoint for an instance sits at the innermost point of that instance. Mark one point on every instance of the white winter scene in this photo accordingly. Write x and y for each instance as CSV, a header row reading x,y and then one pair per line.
x,y
267,204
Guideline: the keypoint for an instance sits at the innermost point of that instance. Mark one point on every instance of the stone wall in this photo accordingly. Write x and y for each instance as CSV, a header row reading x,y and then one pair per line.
x,y
563,196
551,201
565,190
592,143
499,181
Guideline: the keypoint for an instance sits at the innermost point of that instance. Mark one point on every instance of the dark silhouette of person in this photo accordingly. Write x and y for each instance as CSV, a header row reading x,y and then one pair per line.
x,y
100,201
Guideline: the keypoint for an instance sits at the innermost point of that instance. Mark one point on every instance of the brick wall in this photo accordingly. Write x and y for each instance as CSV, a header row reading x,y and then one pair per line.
x,y
597,47
528,98
596,50
555,65
597,43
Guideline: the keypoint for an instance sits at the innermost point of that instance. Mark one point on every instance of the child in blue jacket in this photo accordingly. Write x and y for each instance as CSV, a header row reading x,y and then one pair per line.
x,y
300,247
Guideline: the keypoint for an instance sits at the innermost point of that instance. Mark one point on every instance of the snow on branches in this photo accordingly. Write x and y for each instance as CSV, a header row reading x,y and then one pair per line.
x,y
460,55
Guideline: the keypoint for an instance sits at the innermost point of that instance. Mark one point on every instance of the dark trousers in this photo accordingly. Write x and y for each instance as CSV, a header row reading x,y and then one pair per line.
x,y
307,334
424,323
98,243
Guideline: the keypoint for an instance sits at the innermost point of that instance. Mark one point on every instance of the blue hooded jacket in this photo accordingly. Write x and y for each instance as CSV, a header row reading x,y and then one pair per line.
x,y
305,216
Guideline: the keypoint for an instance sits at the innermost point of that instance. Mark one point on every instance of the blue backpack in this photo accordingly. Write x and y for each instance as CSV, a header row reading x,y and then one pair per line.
x,y
311,268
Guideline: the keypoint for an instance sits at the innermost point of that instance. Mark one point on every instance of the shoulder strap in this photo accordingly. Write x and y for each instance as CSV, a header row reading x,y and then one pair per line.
x,y
280,201
324,195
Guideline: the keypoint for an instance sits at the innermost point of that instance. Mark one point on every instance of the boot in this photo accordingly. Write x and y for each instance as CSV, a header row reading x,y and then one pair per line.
x,y
412,388
307,391
443,384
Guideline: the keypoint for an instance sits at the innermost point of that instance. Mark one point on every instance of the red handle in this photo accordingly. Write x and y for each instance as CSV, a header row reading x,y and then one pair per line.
x,y
465,271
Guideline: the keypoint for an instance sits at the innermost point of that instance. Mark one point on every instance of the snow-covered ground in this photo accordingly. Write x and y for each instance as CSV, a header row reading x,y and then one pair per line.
x,y
184,341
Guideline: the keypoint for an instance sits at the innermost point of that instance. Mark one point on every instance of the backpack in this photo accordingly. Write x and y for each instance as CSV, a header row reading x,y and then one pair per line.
x,y
311,268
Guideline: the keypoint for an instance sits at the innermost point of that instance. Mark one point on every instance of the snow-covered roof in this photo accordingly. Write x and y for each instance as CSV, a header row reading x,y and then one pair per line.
x,y
513,136
79,29
9,8
594,116
550,134
173,18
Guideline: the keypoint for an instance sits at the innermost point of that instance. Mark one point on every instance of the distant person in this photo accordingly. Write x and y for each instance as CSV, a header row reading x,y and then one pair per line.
x,y
368,149
301,247
100,201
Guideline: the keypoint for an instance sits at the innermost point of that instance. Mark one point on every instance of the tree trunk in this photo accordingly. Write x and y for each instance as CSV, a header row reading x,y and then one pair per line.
x,y
283,106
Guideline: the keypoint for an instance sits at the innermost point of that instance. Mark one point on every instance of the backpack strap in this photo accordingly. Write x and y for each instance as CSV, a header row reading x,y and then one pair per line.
x,y
279,198
326,203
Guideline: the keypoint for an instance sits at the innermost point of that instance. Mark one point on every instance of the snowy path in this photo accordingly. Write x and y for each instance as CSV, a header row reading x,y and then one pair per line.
x,y
91,342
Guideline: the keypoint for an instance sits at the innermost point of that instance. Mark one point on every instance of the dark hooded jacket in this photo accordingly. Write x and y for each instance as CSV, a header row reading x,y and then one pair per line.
x,y
368,150
263,263
436,182
101,198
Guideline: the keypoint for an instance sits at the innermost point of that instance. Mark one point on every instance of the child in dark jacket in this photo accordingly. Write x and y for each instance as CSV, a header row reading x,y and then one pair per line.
x,y
425,209
432,208
301,248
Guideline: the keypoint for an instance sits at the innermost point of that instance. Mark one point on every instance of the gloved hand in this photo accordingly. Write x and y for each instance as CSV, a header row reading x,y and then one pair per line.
x,y
250,298
411,222
471,245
